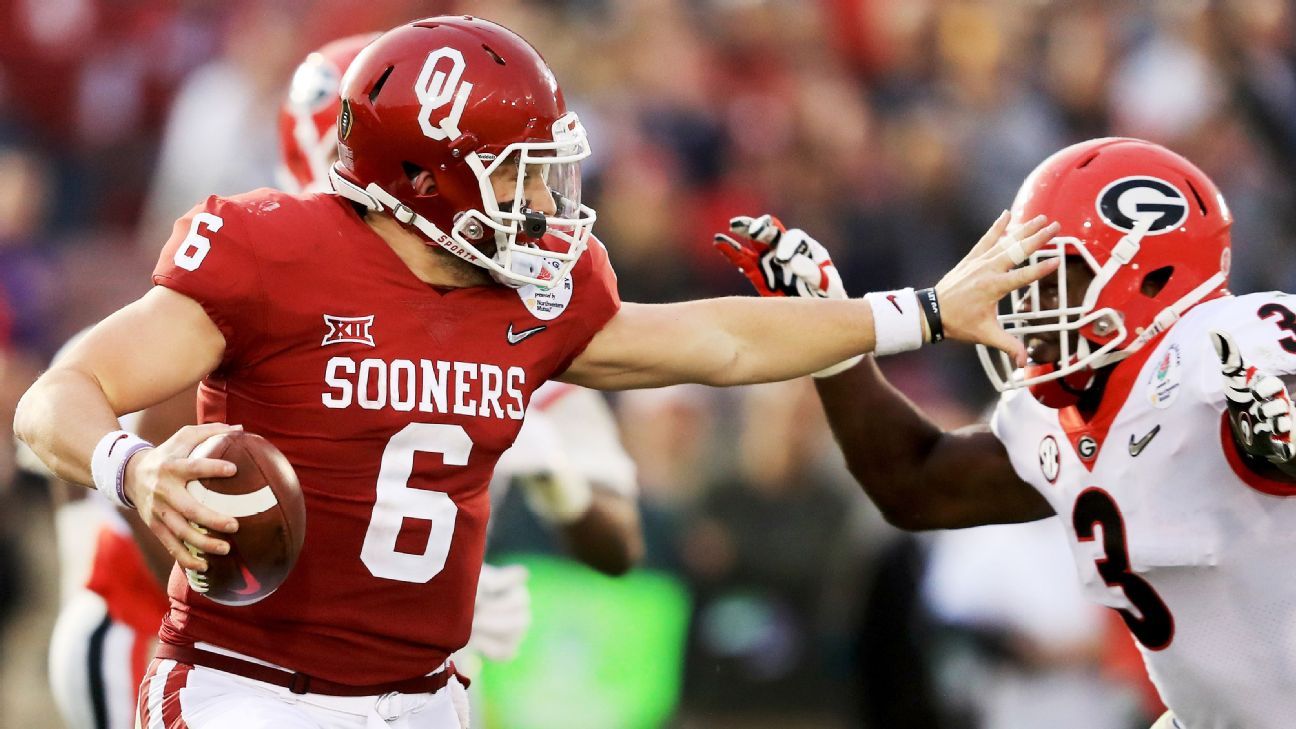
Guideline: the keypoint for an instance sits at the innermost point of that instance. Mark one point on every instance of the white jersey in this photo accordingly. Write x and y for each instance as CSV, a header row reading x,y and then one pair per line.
x,y
1168,527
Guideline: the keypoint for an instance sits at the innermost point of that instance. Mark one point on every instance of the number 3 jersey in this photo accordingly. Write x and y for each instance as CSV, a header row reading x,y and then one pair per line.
x,y
391,398
1168,526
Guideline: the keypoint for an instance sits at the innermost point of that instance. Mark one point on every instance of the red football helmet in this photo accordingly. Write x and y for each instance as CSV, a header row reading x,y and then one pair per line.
x,y
466,101
1152,228
308,117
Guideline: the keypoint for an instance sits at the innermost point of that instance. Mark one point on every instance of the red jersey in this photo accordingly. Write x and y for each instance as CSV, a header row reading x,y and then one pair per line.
x,y
391,398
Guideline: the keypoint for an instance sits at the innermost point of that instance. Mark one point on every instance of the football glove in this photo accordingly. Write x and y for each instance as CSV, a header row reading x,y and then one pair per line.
x,y
1259,406
778,261
555,490
502,613
782,262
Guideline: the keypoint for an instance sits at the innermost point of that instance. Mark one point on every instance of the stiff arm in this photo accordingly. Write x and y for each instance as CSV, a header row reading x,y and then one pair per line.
x,y
920,476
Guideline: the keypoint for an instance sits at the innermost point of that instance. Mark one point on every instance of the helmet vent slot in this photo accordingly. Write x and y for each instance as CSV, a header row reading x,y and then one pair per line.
x,y
1155,281
1201,204
1086,161
378,85
493,54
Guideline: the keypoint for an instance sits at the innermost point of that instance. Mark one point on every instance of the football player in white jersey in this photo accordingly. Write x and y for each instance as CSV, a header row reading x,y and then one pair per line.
x,y
569,459
1150,418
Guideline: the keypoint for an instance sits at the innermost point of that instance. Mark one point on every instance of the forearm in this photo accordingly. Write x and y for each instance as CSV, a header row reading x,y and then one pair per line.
x,y
61,418
884,437
919,475
608,537
773,339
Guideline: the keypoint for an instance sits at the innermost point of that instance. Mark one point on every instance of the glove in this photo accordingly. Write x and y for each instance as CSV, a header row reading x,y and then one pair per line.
x,y
1259,407
778,261
502,614
782,262
554,489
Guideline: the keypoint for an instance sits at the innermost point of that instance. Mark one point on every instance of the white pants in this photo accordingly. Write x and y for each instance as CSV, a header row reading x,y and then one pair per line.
x,y
95,665
180,696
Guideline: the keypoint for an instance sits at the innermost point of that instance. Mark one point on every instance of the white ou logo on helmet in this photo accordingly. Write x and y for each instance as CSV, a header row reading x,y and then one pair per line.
x,y
438,84
1131,200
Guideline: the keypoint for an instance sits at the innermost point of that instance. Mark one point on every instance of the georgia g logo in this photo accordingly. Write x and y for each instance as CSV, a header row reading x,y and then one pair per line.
x,y
440,83
1131,200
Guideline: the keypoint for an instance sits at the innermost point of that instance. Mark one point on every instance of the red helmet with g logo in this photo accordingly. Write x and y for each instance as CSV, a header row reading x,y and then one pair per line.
x,y
466,101
308,116
1153,230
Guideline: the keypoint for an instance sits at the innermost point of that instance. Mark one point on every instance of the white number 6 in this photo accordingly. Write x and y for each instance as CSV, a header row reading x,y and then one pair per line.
x,y
397,501
193,250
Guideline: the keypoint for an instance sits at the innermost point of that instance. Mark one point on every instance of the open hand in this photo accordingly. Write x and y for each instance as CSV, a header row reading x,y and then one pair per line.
x,y
969,294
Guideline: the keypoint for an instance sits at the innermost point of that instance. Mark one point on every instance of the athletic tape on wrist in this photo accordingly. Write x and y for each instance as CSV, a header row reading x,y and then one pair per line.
x,y
108,464
897,322
931,310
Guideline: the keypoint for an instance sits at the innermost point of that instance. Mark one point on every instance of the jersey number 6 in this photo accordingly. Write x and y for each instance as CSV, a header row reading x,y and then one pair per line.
x,y
396,502
1153,626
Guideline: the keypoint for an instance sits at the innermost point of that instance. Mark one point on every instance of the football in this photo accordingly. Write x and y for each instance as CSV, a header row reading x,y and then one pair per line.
x,y
266,499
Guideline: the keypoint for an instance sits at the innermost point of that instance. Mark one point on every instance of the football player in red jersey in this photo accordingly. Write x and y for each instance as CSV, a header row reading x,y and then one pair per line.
x,y
1150,416
569,459
388,339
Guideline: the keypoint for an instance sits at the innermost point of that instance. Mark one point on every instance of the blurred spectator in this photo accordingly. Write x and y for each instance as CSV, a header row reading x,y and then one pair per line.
x,y
768,551
1031,644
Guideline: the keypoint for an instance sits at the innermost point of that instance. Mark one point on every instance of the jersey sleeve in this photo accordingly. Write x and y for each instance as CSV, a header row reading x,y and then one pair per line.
x,y
596,301
210,259
1263,326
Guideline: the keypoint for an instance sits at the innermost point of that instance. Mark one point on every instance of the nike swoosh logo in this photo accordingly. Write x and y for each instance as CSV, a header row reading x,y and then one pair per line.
x,y
251,584
113,445
896,304
517,337
1136,446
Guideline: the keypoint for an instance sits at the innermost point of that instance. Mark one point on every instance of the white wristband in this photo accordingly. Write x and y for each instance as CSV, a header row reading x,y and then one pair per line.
x,y
108,464
897,321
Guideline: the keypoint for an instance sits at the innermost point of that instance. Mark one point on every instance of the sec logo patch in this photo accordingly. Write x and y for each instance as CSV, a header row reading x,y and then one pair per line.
x,y
1050,458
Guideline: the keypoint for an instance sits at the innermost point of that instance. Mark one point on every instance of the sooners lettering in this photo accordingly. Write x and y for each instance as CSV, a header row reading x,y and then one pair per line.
x,y
430,386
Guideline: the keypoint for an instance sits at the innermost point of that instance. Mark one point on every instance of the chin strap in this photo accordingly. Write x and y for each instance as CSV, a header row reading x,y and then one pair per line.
x,y
374,198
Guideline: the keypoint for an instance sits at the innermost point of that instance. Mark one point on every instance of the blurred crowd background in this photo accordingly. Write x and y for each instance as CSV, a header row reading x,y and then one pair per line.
x,y
893,130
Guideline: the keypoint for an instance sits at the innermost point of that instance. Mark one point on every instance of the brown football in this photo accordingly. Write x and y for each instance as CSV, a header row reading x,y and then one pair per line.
x,y
266,499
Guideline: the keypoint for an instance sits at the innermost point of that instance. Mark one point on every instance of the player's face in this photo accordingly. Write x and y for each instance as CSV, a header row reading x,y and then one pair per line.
x,y
536,194
1044,347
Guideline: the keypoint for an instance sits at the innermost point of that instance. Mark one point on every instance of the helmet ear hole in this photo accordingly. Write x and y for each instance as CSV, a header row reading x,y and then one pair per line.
x,y
1155,281
420,179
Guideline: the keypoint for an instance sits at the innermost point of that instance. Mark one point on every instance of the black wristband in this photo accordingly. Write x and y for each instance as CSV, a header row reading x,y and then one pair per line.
x,y
931,310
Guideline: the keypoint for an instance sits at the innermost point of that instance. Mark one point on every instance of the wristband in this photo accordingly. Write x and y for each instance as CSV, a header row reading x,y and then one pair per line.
x,y
897,323
931,310
108,464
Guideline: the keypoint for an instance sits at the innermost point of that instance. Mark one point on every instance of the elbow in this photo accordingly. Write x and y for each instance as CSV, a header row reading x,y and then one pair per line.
x,y
896,498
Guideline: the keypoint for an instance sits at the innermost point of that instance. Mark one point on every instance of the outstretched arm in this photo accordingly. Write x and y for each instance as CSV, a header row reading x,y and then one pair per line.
x,y
920,476
734,341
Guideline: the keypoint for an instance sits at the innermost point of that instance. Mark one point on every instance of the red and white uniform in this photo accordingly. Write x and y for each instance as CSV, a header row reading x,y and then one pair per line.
x,y
392,400
1165,523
